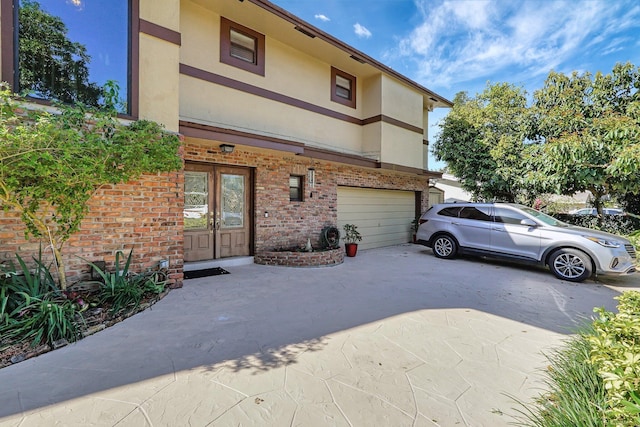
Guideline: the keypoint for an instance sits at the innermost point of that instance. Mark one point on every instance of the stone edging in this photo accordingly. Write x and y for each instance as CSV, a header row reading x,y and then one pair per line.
x,y
326,258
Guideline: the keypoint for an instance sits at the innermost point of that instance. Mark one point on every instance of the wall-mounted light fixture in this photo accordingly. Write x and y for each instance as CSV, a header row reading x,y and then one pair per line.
x,y
311,177
227,148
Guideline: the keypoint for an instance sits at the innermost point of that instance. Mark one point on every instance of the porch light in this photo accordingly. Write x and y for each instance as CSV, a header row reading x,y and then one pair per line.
x,y
227,148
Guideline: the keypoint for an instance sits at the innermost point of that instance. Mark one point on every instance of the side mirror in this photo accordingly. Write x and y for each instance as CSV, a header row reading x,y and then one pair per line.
x,y
529,222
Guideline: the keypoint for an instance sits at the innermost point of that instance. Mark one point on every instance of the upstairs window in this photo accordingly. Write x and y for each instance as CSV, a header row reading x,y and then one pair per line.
x,y
343,88
67,50
241,47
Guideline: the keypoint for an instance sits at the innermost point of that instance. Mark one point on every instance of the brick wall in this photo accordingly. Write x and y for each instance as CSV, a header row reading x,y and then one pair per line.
x,y
145,215
290,224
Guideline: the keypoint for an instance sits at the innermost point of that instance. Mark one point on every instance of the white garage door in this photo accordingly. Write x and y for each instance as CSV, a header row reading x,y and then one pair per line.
x,y
383,217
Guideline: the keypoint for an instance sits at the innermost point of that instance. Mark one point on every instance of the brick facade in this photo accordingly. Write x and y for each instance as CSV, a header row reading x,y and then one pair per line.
x,y
146,215
290,224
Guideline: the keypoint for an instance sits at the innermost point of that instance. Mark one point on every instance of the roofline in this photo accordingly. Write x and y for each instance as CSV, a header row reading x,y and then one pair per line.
x,y
287,16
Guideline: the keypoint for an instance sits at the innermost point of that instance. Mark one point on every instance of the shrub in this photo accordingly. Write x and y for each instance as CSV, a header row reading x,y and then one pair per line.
x,y
594,380
575,393
616,224
32,308
121,289
616,354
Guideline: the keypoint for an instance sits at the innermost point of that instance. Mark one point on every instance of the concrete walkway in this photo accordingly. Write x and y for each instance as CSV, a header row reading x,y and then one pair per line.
x,y
393,337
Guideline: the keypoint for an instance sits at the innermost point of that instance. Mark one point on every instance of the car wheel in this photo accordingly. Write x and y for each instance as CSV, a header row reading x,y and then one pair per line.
x,y
444,246
570,264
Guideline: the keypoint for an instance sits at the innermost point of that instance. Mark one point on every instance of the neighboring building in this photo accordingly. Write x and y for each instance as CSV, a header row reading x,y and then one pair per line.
x,y
450,187
286,130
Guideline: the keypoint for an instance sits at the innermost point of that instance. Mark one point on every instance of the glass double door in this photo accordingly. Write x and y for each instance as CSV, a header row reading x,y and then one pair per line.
x,y
217,214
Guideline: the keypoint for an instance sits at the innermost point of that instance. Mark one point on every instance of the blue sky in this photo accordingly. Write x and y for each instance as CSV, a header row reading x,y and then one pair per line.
x,y
460,45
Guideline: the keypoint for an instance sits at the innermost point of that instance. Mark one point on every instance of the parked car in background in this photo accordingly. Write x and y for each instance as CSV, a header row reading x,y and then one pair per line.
x,y
593,211
520,233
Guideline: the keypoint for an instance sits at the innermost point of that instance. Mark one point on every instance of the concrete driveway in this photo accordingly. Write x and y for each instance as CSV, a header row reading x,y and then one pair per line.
x,y
393,337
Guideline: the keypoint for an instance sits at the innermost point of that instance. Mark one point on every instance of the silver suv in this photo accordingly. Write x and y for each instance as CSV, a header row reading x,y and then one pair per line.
x,y
520,233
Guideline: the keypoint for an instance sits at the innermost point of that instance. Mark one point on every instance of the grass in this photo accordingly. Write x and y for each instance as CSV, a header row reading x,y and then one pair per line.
x,y
576,395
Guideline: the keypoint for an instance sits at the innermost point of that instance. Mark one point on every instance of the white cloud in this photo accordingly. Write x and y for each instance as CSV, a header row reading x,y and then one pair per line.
x,y
361,31
322,17
460,41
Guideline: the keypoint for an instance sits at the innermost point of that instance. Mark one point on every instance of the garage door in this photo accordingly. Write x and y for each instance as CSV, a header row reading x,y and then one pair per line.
x,y
383,217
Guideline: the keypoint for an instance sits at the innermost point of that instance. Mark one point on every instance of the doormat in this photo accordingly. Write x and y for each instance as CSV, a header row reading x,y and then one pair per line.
x,y
204,273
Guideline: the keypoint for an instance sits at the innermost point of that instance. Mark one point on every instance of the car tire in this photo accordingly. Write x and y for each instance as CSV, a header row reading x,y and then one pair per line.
x,y
570,264
444,246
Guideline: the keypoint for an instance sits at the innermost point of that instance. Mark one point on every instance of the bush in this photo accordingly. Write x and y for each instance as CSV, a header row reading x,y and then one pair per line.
x,y
616,354
595,379
616,224
122,290
33,308
575,395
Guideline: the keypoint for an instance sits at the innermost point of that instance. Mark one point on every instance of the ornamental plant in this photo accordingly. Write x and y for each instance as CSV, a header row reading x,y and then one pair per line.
x,y
52,163
615,352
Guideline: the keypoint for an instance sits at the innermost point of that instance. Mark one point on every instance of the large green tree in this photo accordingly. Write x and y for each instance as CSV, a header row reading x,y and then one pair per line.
x,y
483,140
52,163
590,129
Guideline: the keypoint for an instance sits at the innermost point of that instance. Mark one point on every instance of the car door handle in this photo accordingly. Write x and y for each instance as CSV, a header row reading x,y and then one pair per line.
x,y
455,223
497,229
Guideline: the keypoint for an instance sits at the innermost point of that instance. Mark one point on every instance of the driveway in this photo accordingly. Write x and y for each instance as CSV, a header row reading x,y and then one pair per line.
x,y
392,337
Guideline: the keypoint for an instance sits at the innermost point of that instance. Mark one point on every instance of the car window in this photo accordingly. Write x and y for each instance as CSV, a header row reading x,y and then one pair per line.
x,y
508,216
452,211
479,213
543,217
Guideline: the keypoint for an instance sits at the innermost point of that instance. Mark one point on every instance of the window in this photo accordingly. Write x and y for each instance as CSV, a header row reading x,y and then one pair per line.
x,y
343,88
477,213
67,50
295,188
508,216
453,212
241,47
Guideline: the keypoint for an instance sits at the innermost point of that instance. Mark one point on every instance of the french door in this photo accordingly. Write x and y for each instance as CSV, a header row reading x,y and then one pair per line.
x,y
217,212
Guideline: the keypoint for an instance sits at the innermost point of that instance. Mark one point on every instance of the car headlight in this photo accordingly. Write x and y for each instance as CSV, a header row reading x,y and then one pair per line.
x,y
604,242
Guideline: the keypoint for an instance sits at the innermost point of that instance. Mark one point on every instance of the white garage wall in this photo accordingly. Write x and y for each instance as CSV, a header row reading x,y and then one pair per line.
x,y
383,217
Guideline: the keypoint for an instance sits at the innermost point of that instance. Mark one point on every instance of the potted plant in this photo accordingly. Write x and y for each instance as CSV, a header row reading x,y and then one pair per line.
x,y
415,224
351,237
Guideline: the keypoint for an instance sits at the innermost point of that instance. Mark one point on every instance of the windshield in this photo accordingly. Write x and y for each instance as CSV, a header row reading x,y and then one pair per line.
x,y
547,219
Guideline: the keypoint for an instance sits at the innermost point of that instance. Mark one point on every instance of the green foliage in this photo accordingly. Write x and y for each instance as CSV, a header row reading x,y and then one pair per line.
x,y
616,355
634,237
483,139
51,164
575,394
582,132
33,308
616,224
121,290
351,233
594,380
590,126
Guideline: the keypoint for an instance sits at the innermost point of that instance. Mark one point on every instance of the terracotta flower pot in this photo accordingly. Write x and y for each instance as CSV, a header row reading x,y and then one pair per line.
x,y
351,249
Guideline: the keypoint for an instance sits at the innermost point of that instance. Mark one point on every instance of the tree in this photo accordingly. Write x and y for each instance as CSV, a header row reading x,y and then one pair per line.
x,y
590,129
51,65
482,139
52,163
